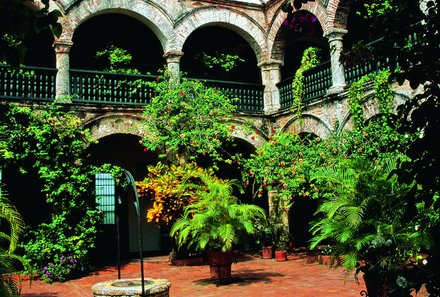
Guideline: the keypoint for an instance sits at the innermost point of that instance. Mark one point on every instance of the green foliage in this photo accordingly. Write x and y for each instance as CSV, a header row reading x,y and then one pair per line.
x,y
19,19
382,93
12,226
216,220
186,119
355,216
284,164
309,60
52,140
118,60
222,61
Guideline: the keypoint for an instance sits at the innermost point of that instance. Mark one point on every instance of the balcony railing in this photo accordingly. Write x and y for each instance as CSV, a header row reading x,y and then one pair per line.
x,y
250,96
88,86
316,83
27,83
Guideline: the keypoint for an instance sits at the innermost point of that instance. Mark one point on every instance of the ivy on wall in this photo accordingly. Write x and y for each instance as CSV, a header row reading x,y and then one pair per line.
x,y
309,60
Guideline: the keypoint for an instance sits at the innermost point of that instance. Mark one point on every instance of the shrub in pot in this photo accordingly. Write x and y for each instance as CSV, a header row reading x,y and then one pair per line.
x,y
365,216
216,222
264,237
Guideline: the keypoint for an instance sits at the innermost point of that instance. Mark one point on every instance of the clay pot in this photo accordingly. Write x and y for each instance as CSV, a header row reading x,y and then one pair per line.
x,y
281,255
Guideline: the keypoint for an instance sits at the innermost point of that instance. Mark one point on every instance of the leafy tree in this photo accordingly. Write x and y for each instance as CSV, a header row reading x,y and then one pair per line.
x,y
18,20
417,61
186,120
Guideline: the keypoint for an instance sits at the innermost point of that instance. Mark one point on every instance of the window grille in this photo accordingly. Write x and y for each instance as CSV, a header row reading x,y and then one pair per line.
x,y
105,196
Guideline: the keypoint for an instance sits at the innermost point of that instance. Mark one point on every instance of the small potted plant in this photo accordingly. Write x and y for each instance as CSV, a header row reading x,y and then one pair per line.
x,y
216,222
282,239
264,238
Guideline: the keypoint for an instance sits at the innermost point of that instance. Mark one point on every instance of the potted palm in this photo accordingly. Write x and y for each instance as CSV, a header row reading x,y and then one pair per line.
x,y
215,222
365,216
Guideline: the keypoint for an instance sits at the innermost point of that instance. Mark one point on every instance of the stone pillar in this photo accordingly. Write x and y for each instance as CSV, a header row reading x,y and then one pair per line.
x,y
173,62
62,80
335,37
276,211
271,75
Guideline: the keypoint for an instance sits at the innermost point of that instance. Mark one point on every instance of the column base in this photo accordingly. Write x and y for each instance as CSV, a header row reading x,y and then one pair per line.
x,y
335,90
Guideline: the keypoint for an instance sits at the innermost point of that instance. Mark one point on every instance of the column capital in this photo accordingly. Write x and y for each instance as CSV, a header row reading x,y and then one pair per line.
x,y
270,64
173,56
335,34
62,46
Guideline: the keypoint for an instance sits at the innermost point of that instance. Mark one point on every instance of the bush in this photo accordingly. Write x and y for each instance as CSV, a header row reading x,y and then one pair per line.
x,y
61,269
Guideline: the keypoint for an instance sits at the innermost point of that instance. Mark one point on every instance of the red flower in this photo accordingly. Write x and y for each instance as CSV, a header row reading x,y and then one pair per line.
x,y
253,137
145,150
157,79
182,93
272,131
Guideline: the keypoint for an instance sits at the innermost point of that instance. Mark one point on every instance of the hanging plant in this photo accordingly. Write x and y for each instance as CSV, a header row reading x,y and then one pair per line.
x,y
310,59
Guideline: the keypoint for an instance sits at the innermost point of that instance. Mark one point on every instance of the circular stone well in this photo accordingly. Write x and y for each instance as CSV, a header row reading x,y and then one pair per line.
x,y
153,287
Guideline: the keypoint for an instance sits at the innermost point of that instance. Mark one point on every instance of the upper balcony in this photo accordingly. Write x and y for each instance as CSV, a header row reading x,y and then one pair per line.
x,y
95,87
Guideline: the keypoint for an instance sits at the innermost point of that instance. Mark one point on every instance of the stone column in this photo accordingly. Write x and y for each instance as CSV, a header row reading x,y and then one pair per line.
x,y
335,37
62,80
276,211
271,75
173,62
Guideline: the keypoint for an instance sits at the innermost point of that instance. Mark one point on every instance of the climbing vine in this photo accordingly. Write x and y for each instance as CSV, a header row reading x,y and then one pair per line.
x,y
52,141
382,92
310,59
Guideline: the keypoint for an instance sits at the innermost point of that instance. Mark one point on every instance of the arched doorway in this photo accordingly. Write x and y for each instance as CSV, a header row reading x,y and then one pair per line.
x,y
123,150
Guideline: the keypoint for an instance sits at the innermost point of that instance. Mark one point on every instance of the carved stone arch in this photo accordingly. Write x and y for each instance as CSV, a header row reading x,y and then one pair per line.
x,y
337,13
107,125
311,124
229,18
275,41
371,108
150,14
255,140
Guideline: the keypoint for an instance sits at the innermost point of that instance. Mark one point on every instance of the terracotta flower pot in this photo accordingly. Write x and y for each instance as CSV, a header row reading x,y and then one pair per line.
x,y
281,256
220,264
267,252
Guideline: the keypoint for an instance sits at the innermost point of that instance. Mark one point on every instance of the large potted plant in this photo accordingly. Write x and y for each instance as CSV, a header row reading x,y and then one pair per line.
x,y
216,222
365,216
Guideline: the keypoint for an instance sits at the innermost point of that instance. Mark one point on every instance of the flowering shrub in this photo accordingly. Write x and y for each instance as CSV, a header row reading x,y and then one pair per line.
x,y
186,119
60,270
166,187
284,164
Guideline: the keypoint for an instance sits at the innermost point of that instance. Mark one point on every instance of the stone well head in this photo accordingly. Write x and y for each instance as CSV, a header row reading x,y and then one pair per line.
x,y
132,287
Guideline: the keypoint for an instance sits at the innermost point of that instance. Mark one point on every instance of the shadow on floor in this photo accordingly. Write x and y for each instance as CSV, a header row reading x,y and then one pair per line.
x,y
243,278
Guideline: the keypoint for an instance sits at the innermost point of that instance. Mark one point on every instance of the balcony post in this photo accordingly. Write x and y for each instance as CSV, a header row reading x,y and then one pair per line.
x,y
335,37
62,80
270,76
173,62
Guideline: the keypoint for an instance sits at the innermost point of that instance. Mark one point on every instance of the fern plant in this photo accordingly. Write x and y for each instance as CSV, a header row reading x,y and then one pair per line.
x,y
216,221
368,221
9,261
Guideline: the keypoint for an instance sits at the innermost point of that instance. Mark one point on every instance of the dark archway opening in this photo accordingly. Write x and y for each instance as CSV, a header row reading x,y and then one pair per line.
x,y
122,31
125,151
300,31
214,41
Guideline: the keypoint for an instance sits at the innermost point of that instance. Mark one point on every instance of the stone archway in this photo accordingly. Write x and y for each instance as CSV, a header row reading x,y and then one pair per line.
x,y
152,15
106,125
275,41
311,124
223,17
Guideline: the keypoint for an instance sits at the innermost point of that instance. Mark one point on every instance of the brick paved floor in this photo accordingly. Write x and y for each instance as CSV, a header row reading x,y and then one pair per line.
x,y
252,275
